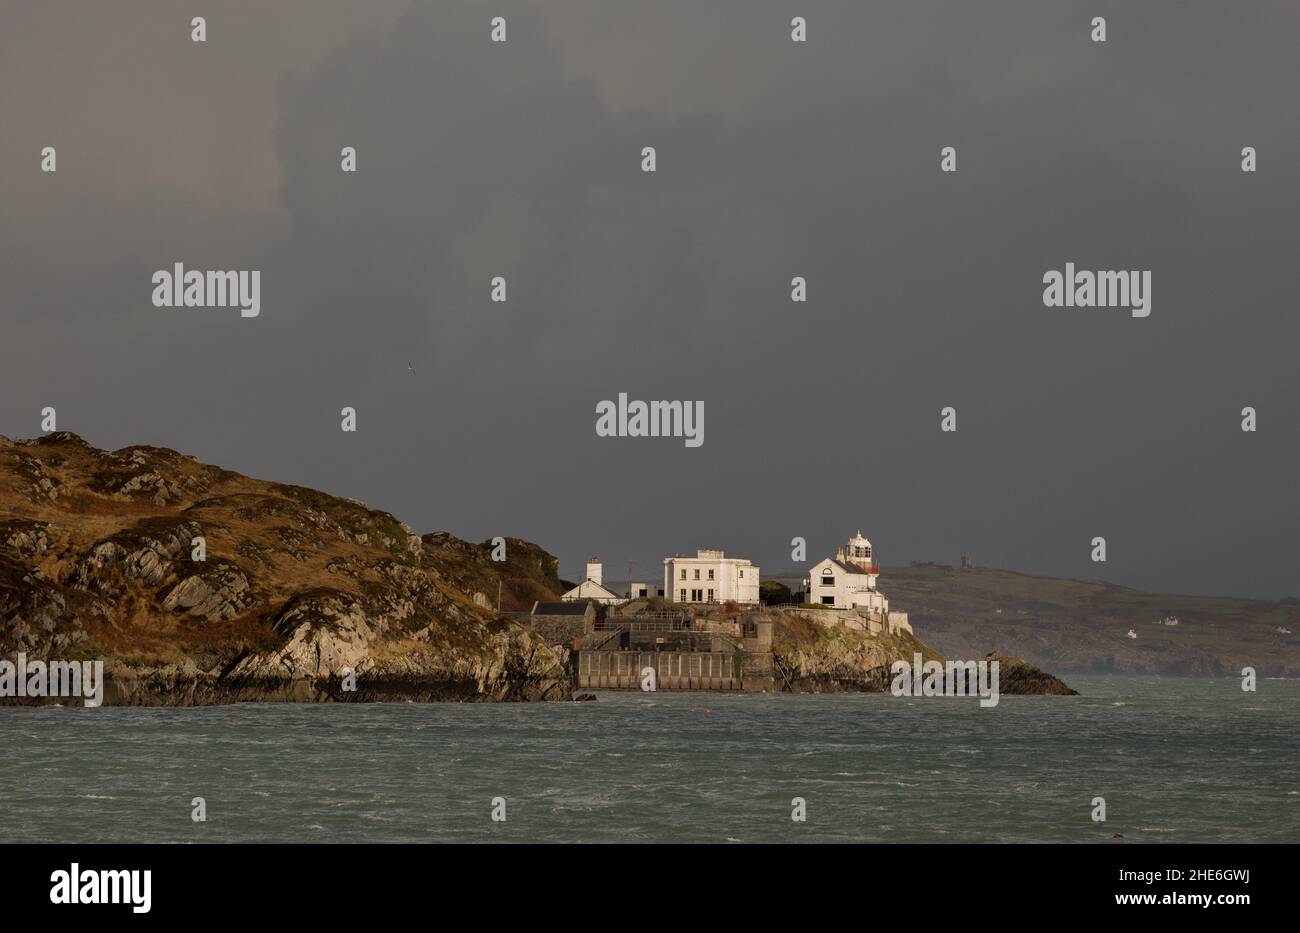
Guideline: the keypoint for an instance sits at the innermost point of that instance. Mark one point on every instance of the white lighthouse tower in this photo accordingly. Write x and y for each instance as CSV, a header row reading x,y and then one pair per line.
x,y
593,587
857,552
848,581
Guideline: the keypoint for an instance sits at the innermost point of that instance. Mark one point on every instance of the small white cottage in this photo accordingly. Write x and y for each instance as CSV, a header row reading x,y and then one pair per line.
x,y
593,588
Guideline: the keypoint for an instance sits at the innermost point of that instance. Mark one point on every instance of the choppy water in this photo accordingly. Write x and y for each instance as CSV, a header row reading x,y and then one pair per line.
x,y
1176,760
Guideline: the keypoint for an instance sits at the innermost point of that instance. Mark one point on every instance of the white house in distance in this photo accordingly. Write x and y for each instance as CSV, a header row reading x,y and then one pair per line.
x,y
710,577
592,588
847,580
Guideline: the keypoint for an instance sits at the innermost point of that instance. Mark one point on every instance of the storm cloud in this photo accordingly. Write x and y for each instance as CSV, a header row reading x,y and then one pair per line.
x,y
775,159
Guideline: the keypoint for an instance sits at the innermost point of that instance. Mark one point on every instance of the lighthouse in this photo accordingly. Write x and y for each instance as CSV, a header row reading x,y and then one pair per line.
x,y
856,552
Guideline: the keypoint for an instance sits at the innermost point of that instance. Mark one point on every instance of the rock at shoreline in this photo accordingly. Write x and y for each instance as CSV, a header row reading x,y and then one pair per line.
x,y
811,657
1017,677
300,595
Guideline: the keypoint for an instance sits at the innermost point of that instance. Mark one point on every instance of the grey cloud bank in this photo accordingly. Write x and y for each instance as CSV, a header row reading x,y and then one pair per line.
x,y
774,160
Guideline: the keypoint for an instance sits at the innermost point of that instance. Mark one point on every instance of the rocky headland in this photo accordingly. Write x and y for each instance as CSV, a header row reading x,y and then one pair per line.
x,y
813,658
97,561
197,585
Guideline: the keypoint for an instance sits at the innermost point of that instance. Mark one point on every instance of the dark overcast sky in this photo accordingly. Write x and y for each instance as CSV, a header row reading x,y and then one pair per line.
x,y
775,159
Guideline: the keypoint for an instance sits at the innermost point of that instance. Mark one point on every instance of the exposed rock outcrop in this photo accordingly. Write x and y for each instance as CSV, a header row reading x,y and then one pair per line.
x,y
299,595
1018,677
215,593
814,658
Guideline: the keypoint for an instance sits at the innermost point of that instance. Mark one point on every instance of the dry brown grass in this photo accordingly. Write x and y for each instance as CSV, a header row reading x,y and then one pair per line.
x,y
244,522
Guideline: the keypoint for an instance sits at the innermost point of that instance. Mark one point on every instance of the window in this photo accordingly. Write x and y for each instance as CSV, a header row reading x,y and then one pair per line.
x,y
683,577
710,595
828,600
828,578
697,574
742,574
710,574
683,599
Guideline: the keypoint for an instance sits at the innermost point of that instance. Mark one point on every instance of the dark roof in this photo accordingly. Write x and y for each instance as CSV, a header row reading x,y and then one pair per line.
x,y
560,609
848,568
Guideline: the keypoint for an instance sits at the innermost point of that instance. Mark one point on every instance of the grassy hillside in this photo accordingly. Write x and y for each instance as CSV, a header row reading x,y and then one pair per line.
x,y
1082,626
98,560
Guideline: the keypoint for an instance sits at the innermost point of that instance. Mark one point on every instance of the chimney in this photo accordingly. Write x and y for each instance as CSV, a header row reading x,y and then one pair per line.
x,y
593,570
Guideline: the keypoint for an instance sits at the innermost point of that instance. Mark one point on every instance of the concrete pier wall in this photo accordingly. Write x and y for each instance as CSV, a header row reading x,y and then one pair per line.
x,y
712,657
674,670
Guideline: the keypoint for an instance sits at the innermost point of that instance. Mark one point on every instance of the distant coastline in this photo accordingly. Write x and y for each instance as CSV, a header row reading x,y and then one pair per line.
x,y
196,585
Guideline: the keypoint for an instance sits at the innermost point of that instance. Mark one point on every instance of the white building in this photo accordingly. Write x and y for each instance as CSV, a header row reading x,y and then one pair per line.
x,y
710,577
847,580
592,588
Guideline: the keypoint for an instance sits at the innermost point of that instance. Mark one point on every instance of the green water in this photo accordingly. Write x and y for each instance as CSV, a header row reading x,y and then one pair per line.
x,y
1176,760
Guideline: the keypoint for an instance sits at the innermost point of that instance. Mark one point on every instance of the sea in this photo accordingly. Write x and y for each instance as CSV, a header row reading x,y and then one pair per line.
x,y
1173,759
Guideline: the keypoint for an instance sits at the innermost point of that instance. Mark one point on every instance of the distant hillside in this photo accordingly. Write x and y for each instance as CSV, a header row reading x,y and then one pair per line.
x,y
96,562
1076,626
